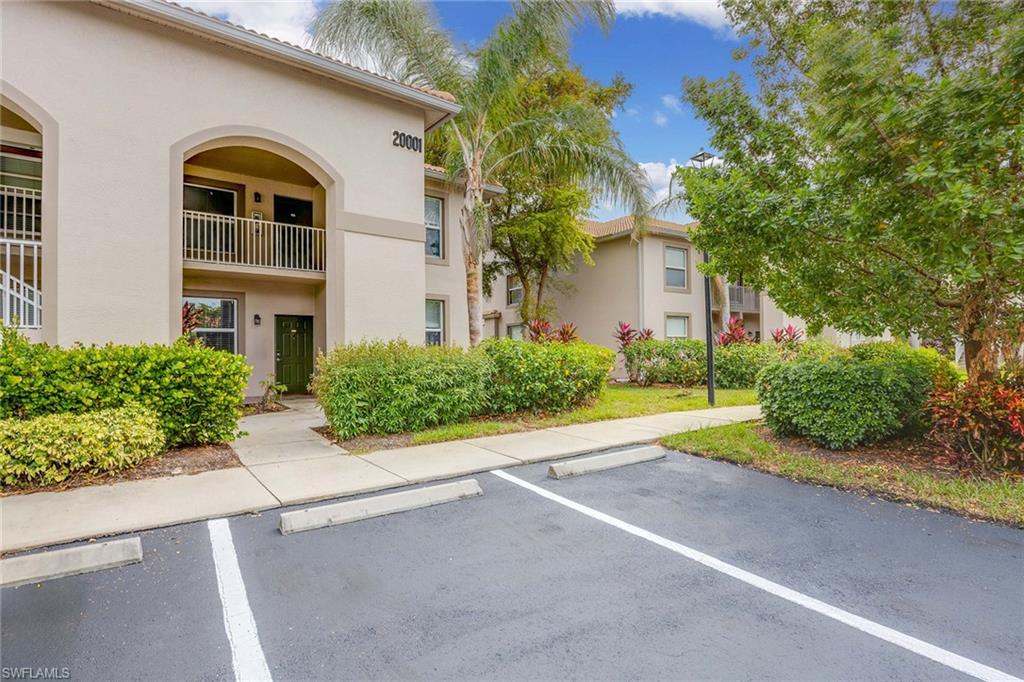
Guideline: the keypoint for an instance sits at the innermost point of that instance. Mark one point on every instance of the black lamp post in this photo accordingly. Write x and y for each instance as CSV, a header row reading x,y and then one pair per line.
x,y
699,160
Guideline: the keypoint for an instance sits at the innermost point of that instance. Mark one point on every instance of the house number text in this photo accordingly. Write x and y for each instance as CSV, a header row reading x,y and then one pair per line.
x,y
406,141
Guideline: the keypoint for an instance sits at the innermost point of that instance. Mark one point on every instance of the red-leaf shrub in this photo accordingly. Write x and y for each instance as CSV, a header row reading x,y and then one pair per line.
x,y
735,333
645,334
980,424
539,330
625,335
567,333
787,334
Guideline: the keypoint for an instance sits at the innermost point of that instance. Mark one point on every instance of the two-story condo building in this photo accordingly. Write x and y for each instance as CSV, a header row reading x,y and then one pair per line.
x,y
154,157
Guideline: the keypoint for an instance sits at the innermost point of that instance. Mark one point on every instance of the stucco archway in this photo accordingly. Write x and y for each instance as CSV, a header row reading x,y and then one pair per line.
x,y
295,152
15,100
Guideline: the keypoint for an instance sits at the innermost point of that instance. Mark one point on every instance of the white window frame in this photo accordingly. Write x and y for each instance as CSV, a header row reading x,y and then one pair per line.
x,y
522,331
685,269
233,329
439,227
509,289
681,316
439,330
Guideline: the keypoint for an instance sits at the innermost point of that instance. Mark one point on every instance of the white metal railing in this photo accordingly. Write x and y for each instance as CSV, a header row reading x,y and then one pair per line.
x,y
743,298
21,300
212,238
20,213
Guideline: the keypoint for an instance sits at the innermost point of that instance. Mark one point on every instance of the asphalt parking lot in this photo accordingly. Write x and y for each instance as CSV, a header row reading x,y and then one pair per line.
x,y
681,568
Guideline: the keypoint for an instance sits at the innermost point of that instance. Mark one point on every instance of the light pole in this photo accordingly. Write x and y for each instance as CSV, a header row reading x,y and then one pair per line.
x,y
699,160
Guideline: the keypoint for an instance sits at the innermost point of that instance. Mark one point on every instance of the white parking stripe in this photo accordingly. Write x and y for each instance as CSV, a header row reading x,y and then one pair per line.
x,y
938,654
246,652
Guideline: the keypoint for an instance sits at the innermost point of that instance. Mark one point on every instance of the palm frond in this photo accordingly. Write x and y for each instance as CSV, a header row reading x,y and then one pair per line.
x,y
401,39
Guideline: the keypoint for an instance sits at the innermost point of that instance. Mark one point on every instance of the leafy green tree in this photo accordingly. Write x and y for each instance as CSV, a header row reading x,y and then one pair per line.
x,y
536,225
403,39
876,180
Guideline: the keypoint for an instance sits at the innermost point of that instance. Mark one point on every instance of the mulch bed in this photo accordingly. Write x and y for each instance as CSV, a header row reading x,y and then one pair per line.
x,y
367,443
250,409
915,454
176,462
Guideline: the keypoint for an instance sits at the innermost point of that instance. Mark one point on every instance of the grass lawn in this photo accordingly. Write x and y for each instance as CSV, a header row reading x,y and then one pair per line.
x,y
617,400
994,499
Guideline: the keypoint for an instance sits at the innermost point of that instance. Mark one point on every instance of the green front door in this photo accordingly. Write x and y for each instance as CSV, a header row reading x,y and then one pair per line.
x,y
293,345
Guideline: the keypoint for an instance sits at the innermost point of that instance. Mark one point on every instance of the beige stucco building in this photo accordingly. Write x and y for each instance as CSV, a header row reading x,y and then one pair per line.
x,y
155,157
649,280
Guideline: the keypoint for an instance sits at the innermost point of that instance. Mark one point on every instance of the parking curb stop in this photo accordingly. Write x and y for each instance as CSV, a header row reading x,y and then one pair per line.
x,y
60,563
611,460
379,505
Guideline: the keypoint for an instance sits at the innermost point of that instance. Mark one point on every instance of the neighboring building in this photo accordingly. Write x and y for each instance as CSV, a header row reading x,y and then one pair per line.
x,y
154,156
649,281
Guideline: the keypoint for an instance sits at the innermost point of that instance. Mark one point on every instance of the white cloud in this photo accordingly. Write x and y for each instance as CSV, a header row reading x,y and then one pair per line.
x,y
282,19
632,112
660,119
660,174
671,103
704,12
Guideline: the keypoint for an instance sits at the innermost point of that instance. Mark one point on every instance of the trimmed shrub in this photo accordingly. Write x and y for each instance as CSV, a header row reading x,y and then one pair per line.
x,y
197,392
841,401
48,449
544,376
922,369
391,387
737,364
676,361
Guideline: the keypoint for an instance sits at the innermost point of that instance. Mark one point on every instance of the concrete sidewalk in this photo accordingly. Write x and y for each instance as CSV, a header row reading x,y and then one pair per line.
x,y
285,462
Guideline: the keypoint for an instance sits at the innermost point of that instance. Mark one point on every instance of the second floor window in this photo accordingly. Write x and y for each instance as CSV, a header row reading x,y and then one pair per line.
x,y
675,267
434,223
514,295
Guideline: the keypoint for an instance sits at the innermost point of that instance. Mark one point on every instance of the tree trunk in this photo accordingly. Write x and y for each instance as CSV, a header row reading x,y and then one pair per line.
x,y
720,290
474,299
981,351
472,254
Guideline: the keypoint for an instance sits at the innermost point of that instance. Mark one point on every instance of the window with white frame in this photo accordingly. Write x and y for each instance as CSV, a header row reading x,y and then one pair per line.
x,y
433,220
514,291
435,322
677,327
515,331
214,321
675,267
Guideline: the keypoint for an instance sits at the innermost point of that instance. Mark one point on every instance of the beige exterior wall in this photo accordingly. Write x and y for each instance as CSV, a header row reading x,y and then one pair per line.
x,y
123,102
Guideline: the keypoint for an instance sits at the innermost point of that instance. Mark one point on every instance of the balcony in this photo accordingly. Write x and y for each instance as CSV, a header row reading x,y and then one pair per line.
x,y
21,300
743,299
244,242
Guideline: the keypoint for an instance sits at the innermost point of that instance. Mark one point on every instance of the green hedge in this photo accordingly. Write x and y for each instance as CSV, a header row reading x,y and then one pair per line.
x,y
547,376
50,448
391,387
875,392
196,392
675,361
737,365
378,387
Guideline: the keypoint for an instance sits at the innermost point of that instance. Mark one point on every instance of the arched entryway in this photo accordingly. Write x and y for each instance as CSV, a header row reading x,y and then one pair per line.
x,y
255,219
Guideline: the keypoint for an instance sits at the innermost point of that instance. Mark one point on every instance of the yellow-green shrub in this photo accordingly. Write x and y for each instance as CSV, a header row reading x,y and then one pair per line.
x,y
196,391
50,448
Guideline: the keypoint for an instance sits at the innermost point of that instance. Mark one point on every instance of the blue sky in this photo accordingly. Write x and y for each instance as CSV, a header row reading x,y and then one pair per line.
x,y
654,44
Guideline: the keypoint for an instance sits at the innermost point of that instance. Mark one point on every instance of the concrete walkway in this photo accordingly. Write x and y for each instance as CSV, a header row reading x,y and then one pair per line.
x,y
285,462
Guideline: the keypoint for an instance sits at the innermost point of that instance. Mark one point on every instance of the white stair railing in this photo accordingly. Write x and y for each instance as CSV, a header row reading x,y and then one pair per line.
x,y
20,213
21,300
212,238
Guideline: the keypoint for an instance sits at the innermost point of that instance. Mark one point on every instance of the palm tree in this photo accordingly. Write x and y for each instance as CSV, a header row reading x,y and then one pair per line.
x,y
402,39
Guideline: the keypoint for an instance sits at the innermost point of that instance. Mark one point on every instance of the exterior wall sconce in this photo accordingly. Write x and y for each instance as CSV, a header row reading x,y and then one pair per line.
x,y
257,197
257,320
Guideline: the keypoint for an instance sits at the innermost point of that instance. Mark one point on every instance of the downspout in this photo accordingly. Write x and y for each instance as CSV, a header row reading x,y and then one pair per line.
x,y
640,281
